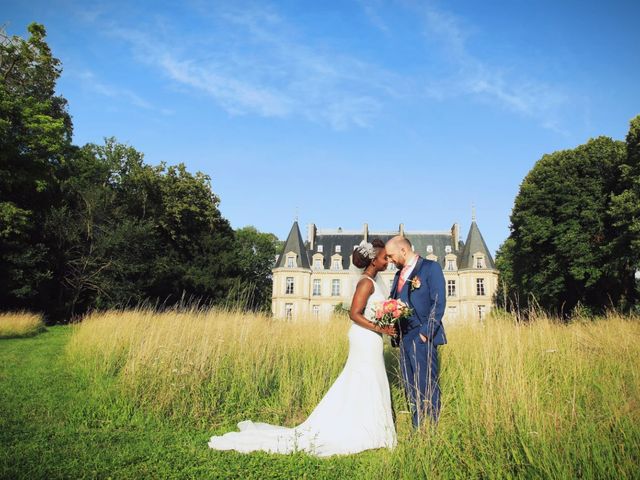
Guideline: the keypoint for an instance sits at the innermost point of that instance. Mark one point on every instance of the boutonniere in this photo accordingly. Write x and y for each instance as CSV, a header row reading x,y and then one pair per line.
x,y
415,283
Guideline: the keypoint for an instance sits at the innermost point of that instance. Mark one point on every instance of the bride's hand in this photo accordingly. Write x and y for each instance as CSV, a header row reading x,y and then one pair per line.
x,y
389,330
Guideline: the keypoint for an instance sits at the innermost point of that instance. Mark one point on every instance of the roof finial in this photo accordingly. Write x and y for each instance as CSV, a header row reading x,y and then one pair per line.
x,y
297,211
473,212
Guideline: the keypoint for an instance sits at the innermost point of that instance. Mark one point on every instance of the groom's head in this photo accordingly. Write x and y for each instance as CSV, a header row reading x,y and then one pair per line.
x,y
399,250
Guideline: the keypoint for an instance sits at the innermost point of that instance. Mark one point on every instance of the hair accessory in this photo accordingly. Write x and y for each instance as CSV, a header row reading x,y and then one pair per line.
x,y
367,250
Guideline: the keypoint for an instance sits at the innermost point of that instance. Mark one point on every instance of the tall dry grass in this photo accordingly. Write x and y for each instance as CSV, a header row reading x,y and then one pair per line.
x,y
537,399
214,366
20,324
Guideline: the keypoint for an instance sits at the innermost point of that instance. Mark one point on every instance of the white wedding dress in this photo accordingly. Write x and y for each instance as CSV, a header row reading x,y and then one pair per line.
x,y
354,415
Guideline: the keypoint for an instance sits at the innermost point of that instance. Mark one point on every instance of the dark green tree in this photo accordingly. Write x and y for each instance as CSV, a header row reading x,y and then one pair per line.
x,y
200,258
504,296
129,233
255,255
559,252
96,227
625,216
105,248
35,140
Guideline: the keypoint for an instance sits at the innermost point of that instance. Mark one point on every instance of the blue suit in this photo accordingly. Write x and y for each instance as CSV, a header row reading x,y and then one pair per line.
x,y
418,359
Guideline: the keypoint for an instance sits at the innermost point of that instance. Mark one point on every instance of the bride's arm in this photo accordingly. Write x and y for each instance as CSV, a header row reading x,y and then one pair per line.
x,y
364,289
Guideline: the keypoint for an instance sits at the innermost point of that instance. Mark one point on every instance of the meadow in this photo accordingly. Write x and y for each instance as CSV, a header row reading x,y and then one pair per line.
x,y
23,324
136,394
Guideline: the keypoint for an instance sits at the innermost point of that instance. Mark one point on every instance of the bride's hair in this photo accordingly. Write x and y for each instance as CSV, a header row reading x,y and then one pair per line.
x,y
362,260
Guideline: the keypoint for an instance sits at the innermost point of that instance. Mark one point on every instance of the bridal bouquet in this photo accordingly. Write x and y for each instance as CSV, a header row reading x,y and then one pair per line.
x,y
389,312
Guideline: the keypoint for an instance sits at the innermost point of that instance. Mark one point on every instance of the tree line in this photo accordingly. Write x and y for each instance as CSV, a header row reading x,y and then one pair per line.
x,y
574,238
95,226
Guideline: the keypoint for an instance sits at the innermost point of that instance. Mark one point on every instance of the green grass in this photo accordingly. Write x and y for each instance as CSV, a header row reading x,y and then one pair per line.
x,y
54,424
539,401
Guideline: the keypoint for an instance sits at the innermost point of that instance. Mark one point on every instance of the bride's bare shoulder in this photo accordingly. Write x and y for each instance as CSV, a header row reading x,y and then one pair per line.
x,y
365,283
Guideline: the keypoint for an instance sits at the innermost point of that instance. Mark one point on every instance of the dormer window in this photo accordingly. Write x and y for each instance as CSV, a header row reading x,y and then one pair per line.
x,y
336,262
479,262
447,249
451,265
318,262
291,262
320,249
338,248
429,248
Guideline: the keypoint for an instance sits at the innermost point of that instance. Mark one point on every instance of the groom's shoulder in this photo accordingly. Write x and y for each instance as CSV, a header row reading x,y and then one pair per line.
x,y
431,264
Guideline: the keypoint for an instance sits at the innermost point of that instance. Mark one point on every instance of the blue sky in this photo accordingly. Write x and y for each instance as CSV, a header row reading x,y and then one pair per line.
x,y
348,112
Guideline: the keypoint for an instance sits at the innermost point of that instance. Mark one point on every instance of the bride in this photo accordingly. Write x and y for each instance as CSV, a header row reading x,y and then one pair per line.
x,y
355,414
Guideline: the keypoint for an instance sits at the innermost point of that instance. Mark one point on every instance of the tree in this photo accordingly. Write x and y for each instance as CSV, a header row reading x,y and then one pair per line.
x,y
199,260
255,257
504,296
105,249
559,250
625,216
128,232
35,140
96,227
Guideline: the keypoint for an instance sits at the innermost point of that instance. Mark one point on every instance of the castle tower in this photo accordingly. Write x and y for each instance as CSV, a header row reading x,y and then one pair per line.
x,y
291,276
477,275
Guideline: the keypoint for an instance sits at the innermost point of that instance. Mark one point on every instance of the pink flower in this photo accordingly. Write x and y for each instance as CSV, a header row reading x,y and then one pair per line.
x,y
397,313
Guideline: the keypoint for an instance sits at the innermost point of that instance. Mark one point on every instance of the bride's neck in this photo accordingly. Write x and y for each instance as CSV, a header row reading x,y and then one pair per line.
x,y
371,272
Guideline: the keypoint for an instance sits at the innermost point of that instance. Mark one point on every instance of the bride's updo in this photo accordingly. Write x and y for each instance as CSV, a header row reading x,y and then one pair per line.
x,y
364,253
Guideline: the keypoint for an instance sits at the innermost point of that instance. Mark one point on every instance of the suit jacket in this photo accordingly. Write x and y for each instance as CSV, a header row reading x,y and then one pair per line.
x,y
428,301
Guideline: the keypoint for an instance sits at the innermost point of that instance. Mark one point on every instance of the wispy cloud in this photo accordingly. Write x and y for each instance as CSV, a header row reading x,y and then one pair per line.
x,y
371,10
272,71
91,82
491,83
254,60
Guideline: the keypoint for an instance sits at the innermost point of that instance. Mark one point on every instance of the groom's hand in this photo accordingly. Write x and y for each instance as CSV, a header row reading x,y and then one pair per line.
x,y
423,338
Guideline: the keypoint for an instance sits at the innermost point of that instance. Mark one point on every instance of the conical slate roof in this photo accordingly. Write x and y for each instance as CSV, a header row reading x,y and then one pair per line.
x,y
295,244
475,243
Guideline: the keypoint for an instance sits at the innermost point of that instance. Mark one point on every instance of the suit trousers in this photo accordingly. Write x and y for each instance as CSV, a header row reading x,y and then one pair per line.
x,y
419,367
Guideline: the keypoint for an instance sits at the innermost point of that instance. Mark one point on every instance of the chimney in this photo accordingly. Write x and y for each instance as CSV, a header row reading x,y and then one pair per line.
x,y
402,229
366,232
311,235
455,236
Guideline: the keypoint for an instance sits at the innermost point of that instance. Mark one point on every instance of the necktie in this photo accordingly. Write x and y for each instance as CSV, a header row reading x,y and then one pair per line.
x,y
401,280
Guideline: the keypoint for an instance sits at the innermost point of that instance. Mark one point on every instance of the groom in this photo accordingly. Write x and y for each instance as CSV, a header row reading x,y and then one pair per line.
x,y
420,284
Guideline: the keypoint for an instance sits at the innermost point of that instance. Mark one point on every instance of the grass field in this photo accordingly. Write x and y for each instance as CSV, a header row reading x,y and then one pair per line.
x,y
137,394
16,325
